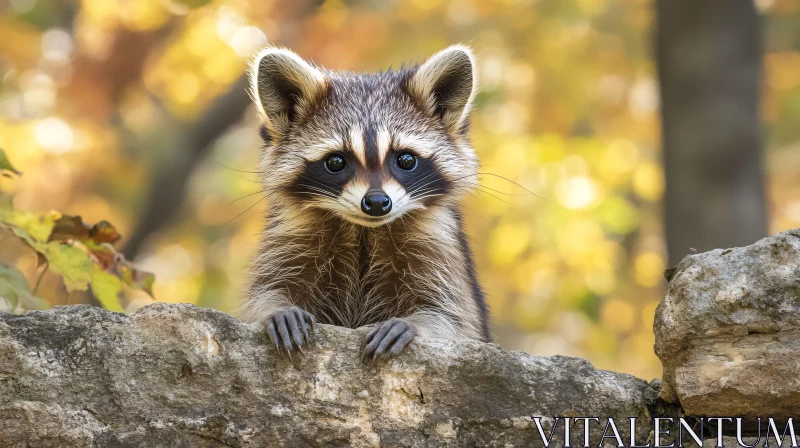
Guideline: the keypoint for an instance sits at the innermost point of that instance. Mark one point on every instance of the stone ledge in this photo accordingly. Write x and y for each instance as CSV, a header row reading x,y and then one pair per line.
x,y
177,375
728,331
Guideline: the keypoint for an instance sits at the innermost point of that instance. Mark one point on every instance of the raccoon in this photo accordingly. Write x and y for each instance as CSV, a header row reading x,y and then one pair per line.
x,y
363,174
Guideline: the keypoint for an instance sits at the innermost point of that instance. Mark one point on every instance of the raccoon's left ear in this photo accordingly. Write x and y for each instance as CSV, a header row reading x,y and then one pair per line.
x,y
445,85
284,88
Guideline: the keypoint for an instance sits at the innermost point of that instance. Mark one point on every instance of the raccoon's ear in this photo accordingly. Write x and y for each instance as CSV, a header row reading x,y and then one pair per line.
x,y
446,84
284,88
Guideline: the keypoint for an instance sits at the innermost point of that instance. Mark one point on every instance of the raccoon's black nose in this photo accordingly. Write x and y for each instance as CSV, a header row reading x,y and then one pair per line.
x,y
376,203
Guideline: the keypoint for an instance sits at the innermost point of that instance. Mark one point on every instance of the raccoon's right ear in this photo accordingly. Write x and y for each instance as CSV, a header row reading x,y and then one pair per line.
x,y
284,87
445,86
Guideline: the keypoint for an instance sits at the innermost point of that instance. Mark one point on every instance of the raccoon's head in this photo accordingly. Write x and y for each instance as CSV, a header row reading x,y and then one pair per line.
x,y
368,147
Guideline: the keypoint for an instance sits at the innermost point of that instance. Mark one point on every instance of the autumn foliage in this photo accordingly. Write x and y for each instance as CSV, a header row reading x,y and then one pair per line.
x,y
82,254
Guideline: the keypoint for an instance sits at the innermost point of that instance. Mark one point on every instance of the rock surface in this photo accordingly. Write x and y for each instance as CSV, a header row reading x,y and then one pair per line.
x,y
728,331
177,375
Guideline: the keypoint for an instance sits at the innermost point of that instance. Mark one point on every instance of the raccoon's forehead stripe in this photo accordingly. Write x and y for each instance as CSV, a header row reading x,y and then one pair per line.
x,y
384,141
357,144
370,145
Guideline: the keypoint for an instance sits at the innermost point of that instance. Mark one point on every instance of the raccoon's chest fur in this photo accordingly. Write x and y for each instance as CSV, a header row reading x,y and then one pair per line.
x,y
349,275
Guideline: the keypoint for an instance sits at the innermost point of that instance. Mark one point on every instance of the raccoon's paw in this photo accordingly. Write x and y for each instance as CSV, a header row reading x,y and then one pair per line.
x,y
290,329
388,339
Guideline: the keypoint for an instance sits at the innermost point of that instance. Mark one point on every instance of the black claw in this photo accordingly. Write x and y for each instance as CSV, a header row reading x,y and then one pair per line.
x,y
283,331
401,342
366,346
312,321
302,324
270,326
288,330
371,335
388,339
294,329
372,346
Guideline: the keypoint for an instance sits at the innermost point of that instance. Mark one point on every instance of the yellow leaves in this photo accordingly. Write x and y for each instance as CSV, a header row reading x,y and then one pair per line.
x,y
200,36
648,181
106,287
600,340
781,69
618,315
648,269
203,60
184,5
80,253
511,158
582,253
28,226
72,263
618,215
25,38
100,11
520,77
137,15
5,165
425,4
508,241
332,14
573,257
649,313
619,158
14,290
184,89
578,241
218,70
592,7
143,15
601,279
510,117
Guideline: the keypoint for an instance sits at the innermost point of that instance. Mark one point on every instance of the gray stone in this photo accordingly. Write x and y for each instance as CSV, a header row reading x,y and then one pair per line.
x,y
177,375
728,331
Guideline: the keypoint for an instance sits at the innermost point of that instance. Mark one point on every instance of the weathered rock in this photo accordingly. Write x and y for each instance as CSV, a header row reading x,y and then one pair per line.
x,y
728,331
176,375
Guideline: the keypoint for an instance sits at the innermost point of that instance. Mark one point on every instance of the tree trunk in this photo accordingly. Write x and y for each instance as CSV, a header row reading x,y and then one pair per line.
x,y
709,65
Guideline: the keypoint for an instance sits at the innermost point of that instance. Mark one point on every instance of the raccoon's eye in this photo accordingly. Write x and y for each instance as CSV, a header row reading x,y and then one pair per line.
x,y
335,163
406,161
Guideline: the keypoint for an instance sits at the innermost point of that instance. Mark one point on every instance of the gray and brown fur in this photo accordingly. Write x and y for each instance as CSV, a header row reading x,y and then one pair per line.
x,y
320,254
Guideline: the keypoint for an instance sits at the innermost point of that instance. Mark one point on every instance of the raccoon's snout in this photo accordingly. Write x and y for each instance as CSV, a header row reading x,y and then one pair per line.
x,y
376,203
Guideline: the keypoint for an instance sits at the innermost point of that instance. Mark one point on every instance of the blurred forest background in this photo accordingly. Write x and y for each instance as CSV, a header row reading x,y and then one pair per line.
x,y
134,111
